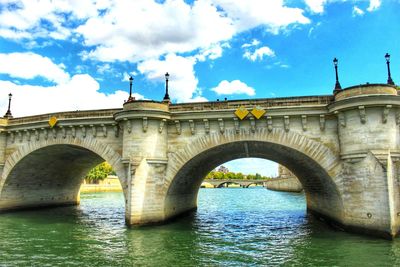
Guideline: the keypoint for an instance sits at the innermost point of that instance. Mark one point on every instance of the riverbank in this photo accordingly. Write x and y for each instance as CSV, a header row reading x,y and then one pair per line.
x,y
94,188
112,184
109,184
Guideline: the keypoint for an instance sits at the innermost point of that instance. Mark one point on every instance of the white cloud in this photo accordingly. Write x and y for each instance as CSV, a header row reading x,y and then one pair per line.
x,y
357,11
214,51
182,81
179,28
143,32
259,53
101,69
30,65
199,99
233,87
316,6
25,18
373,5
78,92
126,75
272,14
128,30
81,92
255,42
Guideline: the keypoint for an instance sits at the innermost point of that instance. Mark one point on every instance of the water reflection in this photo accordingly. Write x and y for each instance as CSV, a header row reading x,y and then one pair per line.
x,y
232,227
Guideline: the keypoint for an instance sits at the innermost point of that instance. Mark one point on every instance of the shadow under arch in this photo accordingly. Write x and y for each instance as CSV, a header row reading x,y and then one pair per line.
x,y
50,173
322,194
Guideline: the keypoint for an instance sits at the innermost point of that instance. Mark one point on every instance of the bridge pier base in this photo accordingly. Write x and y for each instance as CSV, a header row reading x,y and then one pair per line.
x,y
145,204
148,202
368,188
370,196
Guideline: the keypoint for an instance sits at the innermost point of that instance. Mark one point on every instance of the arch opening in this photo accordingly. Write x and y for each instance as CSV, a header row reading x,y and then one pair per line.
x,y
47,176
321,192
227,184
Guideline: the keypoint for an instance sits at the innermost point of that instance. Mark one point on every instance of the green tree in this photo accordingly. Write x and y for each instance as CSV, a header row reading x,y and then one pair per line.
x,y
235,176
239,176
98,173
210,175
219,175
230,176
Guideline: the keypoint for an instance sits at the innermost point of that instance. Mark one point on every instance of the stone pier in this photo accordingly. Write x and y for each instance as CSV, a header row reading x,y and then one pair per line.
x,y
343,148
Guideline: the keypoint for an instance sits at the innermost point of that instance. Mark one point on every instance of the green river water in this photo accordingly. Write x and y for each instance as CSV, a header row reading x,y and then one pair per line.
x,y
232,227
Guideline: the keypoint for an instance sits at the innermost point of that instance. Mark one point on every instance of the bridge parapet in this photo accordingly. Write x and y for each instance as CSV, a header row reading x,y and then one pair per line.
x,y
67,115
250,103
366,89
368,118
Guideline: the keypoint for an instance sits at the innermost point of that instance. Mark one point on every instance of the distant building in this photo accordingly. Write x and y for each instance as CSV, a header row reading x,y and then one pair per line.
x,y
223,169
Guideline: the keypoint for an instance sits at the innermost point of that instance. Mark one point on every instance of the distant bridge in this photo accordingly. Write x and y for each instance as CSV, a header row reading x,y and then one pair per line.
x,y
218,183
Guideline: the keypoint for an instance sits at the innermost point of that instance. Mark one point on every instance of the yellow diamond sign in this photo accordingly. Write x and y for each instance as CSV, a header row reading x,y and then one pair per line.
x,y
258,112
241,112
52,121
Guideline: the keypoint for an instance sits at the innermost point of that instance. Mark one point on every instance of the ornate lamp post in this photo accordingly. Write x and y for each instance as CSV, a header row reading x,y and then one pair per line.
x,y
389,80
166,96
8,113
130,98
337,84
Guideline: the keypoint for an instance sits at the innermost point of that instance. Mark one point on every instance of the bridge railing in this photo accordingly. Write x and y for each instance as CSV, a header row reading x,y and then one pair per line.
x,y
79,114
214,105
264,102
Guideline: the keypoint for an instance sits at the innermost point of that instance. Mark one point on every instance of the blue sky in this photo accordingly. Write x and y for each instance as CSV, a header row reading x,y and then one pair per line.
x,y
69,55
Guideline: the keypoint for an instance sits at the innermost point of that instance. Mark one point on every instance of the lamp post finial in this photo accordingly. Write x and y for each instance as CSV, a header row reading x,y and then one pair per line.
x,y
338,87
166,96
389,80
8,113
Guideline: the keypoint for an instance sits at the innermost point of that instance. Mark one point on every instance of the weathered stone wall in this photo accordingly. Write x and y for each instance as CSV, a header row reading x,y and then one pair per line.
x,y
344,149
188,166
284,172
145,155
288,184
45,166
47,177
285,182
369,138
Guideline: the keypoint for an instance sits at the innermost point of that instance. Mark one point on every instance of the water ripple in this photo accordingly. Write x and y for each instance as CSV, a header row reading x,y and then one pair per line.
x,y
232,227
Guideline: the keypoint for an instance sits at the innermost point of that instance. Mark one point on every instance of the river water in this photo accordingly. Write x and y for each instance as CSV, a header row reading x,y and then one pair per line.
x,y
232,227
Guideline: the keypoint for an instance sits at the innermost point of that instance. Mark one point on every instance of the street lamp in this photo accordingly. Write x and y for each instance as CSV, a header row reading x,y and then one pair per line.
x,y
389,80
130,98
337,84
8,113
166,96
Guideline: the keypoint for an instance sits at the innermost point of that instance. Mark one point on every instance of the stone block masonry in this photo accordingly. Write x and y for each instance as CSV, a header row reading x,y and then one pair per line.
x,y
343,148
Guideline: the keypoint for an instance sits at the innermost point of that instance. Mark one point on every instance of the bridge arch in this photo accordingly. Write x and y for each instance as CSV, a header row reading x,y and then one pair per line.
x,y
228,183
314,163
253,183
49,172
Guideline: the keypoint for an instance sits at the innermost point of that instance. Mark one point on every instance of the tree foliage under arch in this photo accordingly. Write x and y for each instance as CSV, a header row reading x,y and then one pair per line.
x,y
100,172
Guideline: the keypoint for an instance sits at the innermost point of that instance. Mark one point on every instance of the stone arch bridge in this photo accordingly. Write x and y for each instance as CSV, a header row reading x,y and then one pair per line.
x,y
344,148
